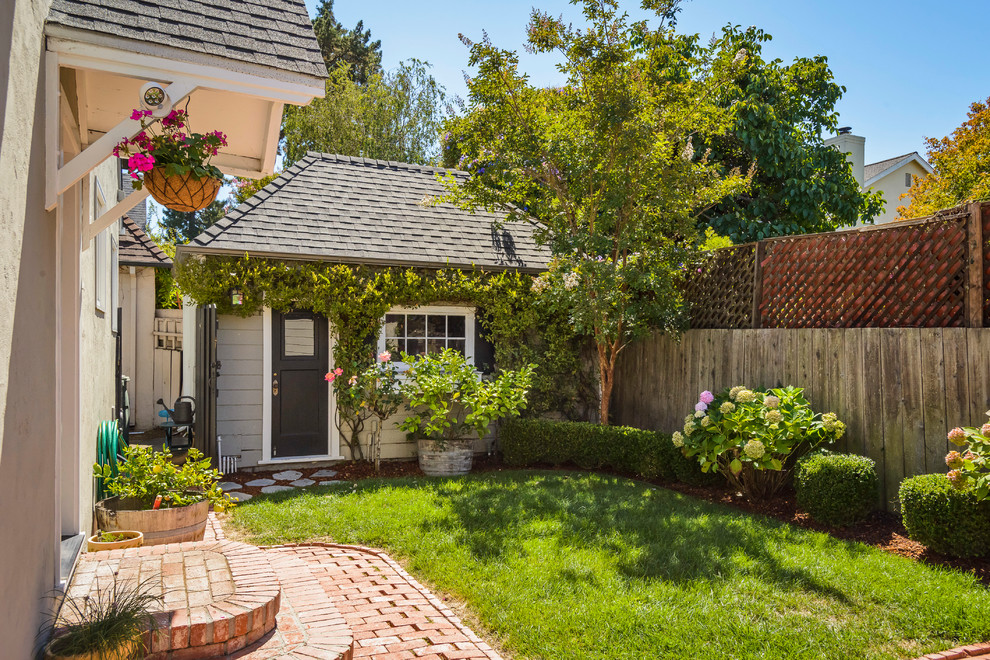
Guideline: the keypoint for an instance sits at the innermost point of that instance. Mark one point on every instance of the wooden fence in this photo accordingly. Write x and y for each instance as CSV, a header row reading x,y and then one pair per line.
x,y
932,272
899,390
167,334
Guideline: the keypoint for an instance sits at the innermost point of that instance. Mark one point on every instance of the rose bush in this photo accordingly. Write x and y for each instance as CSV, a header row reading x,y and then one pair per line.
x,y
753,437
375,392
970,467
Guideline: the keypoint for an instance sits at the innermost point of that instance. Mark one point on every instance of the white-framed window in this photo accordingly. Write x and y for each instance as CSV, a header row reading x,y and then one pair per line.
x,y
428,329
100,252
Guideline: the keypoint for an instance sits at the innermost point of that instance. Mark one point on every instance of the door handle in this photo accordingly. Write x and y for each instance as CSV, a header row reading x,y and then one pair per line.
x,y
275,385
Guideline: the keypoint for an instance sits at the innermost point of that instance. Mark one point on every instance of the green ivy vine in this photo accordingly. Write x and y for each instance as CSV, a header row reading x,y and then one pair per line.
x,y
355,299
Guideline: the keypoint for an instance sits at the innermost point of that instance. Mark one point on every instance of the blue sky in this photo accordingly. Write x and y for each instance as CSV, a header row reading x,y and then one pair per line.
x,y
910,69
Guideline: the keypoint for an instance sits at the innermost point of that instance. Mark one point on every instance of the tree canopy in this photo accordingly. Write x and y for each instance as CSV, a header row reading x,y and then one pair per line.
x,y
395,115
340,46
182,227
607,166
778,115
961,164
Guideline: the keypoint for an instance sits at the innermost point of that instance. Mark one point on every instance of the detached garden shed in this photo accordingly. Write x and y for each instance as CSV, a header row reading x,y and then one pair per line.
x,y
273,403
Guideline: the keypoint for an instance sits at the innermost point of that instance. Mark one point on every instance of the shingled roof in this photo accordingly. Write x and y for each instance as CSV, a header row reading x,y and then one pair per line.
x,y
355,210
276,34
871,170
135,248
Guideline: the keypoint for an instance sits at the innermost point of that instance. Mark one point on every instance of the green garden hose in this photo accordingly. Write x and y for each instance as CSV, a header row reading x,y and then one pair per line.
x,y
109,450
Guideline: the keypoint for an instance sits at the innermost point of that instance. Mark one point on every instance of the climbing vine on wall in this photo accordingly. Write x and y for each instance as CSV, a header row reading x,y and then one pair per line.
x,y
355,299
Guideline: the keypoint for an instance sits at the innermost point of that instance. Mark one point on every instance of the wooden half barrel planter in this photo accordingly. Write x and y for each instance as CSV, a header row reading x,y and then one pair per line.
x,y
452,460
184,523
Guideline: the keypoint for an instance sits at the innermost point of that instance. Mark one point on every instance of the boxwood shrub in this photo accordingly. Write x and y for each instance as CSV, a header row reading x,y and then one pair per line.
x,y
836,489
648,454
948,521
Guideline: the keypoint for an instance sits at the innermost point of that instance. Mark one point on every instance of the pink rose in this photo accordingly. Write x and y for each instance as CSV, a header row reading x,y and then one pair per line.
x,y
338,371
330,377
706,397
352,381
384,356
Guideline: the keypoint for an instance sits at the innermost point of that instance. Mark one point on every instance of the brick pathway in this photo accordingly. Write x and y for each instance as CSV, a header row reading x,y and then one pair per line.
x,y
974,652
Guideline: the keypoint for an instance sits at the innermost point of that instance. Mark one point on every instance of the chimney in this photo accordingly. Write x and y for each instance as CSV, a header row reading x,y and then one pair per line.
x,y
854,147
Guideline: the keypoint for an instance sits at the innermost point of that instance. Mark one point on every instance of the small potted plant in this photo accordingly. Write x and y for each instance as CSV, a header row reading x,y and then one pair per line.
x,y
450,401
173,164
116,540
165,502
108,624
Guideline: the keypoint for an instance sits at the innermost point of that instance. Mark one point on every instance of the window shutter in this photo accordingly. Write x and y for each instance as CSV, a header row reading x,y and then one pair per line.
x,y
484,349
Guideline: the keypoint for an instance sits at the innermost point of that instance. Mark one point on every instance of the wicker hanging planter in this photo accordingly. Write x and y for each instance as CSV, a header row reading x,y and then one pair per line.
x,y
181,192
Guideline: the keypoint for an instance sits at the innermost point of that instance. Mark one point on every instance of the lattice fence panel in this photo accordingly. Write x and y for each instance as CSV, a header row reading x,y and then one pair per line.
x,y
720,291
900,276
985,217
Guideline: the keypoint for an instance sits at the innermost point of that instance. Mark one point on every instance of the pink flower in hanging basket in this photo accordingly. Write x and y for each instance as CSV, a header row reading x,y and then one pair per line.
x,y
141,163
138,115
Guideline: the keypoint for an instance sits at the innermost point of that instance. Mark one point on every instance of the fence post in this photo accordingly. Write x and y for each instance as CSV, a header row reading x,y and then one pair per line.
x,y
974,280
756,318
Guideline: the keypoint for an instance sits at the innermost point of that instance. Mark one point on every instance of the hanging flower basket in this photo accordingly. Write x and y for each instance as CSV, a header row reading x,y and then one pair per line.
x,y
181,192
172,163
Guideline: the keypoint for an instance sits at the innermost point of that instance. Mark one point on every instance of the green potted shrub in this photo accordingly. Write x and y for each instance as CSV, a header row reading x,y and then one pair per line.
x,y
753,437
106,625
450,401
165,502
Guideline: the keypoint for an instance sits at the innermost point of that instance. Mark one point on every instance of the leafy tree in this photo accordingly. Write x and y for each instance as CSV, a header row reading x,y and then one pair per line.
x,y
962,167
605,165
396,115
779,113
341,46
182,227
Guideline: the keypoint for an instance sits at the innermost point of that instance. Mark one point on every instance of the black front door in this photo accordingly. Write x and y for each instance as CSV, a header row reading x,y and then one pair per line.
x,y
300,343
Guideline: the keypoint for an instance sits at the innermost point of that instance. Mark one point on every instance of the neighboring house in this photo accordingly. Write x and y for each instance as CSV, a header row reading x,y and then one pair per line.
x,y
892,177
346,210
71,72
139,257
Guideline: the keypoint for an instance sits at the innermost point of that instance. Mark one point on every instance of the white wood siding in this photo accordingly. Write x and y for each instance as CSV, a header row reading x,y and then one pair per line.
x,y
239,403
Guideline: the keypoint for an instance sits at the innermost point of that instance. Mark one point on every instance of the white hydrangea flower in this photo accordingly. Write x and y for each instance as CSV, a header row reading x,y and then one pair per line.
x,y
571,280
689,428
754,449
771,401
706,420
774,416
677,439
699,413
727,407
745,396
734,392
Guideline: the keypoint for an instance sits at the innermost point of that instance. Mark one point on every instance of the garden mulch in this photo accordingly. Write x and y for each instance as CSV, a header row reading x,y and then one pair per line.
x,y
881,529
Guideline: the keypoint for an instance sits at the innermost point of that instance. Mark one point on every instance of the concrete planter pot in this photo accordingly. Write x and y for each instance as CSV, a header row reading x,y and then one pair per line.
x,y
453,460
132,539
184,523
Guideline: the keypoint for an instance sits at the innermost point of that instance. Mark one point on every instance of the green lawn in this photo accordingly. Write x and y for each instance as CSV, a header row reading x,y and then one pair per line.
x,y
577,565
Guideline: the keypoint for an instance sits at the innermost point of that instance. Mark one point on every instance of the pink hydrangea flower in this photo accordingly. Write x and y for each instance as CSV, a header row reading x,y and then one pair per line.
x,y
985,430
957,436
701,406
957,479
954,460
141,163
384,356
706,397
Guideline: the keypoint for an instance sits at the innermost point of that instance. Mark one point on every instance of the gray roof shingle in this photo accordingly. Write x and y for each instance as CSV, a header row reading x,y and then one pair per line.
x,y
277,34
870,170
135,248
356,210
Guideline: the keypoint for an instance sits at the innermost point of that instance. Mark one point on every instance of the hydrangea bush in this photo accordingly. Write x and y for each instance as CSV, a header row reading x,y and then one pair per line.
x,y
969,468
753,437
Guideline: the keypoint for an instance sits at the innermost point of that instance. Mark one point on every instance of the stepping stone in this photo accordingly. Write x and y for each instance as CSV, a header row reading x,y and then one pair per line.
x,y
324,474
302,483
228,486
332,482
287,475
276,489
260,482
240,497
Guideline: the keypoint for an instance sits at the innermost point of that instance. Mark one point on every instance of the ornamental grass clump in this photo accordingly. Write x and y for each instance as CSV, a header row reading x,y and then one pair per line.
x,y
969,468
753,437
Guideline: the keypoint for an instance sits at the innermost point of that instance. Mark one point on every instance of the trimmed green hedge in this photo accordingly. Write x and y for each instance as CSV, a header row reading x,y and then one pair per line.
x,y
649,454
946,520
836,489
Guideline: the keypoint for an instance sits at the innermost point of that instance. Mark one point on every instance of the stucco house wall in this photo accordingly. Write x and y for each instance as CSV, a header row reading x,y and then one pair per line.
x,y
27,332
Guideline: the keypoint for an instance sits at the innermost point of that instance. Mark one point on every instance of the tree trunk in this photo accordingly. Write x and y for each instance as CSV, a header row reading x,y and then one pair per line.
x,y
606,378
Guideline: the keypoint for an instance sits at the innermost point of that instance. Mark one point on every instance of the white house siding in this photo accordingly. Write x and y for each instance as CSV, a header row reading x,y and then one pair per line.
x,y
240,350
892,186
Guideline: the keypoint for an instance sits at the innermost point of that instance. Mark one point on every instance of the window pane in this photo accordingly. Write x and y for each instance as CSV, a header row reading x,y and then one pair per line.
x,y
416,346
457,345
455,326
435,345
298,337
416,325
395,345
395,325
436,325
